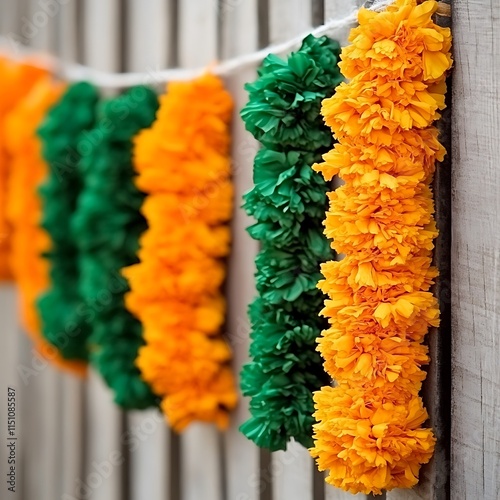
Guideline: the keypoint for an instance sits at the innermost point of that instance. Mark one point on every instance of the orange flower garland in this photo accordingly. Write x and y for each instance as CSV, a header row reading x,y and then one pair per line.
x,y
28,240
184,169
16,80
370,432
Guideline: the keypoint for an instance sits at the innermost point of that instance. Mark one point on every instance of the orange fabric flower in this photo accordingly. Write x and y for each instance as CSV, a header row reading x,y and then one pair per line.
x,y
16,80
29,240
184,168
369,432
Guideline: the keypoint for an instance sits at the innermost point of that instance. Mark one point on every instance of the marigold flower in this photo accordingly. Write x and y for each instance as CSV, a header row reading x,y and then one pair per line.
x,y
370,439
379,306
184,168
400,43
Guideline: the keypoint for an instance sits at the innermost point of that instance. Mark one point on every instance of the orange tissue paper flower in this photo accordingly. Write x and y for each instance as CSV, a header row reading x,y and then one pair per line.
x,y
184,168
28,239
16,80
370,432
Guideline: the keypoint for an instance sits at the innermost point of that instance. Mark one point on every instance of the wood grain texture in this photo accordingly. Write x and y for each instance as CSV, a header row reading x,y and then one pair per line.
x,y
148,35
292,473
9,364
436,391
103,454
238,25
291,469
200,450
147,29
475,434
149,457
339,9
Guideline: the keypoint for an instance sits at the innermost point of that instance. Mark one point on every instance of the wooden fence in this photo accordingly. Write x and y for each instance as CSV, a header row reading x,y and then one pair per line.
x,y
75,444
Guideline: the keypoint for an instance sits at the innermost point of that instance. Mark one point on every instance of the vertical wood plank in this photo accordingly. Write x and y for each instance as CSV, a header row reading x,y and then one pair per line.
x,y
200,450
149,455
339,9
291,469
103,420
148,35
43,390
10,20
39,24
67,32
475,433
9,360
288,18
336,9
71,440
434,476
239,35
147,50
198,39
101,48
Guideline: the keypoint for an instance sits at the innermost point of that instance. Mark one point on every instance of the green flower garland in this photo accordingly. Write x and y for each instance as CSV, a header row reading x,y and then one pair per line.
x,y
288,202
108,224
62,312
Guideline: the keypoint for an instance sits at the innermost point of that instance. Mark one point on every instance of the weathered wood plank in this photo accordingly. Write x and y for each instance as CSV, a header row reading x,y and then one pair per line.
x,y
339,9
475,254
434,476
291,469
238,21
71,442
148,35
200,443
103,420
149,457
146,49
9,360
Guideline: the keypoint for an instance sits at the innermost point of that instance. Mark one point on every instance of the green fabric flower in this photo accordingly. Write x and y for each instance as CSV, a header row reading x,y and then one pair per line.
x,y
288,201
62,311
107,225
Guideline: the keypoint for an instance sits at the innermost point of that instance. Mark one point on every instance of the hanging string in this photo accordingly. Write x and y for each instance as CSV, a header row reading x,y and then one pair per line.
x,y
104,79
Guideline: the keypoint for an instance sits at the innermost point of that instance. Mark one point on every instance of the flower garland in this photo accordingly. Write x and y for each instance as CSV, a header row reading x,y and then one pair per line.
x,y
16,80
288,202
28,240
63,313
184,168
370,431
108,224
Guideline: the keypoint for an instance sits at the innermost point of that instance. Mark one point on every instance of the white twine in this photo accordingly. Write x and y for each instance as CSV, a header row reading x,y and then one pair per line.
x,y
104,79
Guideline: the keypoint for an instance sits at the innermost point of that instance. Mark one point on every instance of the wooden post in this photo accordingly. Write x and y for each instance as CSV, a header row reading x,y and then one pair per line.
x,y
239,35
147,30
475,253
200,443
291,469
103,420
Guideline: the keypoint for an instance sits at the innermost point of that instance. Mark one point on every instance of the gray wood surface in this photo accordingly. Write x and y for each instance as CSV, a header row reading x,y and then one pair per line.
x,y
475,257
200,443
239,35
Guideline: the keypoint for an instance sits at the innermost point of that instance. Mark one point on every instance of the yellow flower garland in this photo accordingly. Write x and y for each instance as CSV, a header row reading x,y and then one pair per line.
x,y
23,210
369,430
184,169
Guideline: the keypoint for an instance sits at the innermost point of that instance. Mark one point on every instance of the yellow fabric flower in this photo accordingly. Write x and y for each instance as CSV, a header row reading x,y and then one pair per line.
x,y
369,430
184,168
